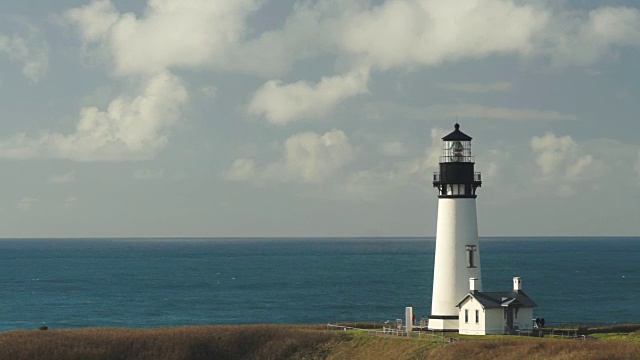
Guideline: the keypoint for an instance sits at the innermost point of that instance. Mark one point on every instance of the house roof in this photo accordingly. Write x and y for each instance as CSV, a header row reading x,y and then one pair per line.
x,y
500,299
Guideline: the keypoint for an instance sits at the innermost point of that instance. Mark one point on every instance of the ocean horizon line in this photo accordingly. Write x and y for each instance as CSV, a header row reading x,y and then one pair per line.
x,y
359,237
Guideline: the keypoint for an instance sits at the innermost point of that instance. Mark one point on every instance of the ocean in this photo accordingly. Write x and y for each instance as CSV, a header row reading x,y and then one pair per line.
x,y
150,283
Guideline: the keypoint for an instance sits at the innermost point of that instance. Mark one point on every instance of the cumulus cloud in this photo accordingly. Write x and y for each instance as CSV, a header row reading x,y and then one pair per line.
x,y
409,33
394,34
33,54
311,158
129,129
384,177
94,20
198,34
429,32
559,159
187,33
283,103
241,170
433,152
578,38
311,30
307,158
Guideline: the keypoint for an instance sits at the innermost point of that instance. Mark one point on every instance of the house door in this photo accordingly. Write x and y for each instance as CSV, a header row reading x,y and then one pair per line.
x,y
509,312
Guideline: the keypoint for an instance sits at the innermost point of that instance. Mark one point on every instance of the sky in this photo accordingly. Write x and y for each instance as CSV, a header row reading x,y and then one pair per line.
x,y
212,118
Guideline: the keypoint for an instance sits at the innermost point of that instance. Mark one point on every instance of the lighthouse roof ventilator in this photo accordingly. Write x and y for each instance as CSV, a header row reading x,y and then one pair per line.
x,y
457,254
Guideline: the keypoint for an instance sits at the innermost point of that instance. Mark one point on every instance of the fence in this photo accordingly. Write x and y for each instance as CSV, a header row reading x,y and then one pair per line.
x,y
553,333
390,332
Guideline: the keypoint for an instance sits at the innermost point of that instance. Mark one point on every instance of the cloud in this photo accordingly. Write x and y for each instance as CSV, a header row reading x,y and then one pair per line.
x,y
409,33
477,88
552,151
26,203
394,34
560,161
282,104
311,158
384,177
188,33
434,151
312,29
307,158
580,38
129,129
32,53
241,170
429,32
67,178
94,20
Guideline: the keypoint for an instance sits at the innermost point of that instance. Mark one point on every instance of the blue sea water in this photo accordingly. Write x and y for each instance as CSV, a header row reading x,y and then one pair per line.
x,y
147,283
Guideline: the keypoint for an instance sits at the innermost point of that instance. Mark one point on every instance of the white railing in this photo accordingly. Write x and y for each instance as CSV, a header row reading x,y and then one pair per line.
x,y
562,334
391,332
394,332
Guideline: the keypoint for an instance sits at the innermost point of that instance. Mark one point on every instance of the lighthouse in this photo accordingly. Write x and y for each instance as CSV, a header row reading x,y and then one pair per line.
x,y
457,255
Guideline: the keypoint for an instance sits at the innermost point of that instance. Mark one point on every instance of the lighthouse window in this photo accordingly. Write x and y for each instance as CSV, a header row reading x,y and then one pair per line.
x,y
471,250
477,316
466,316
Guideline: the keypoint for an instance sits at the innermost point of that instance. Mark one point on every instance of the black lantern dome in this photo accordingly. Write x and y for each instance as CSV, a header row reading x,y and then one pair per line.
x,y
457,178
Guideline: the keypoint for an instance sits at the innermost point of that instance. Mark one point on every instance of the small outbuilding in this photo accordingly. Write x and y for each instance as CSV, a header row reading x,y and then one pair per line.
x,y
484,313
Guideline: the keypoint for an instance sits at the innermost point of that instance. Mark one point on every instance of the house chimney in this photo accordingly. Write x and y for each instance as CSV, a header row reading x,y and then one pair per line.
x,y
517,284
473,285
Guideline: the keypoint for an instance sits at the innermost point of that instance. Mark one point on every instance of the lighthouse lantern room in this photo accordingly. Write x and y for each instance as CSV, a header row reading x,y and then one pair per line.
x,y
457,254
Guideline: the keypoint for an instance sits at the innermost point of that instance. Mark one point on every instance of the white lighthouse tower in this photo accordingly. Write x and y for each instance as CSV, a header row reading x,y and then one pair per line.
x,y
457,255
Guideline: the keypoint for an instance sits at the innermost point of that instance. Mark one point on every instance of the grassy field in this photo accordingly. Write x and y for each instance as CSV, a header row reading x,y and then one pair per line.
x,y
299,342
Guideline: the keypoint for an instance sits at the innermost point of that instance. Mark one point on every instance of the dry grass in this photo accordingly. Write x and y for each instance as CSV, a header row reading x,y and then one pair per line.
x,y
370,348
192,343
537,349
285,342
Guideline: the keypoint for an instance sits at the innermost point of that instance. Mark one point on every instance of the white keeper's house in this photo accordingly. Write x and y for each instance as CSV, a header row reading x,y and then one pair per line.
x,y
485,313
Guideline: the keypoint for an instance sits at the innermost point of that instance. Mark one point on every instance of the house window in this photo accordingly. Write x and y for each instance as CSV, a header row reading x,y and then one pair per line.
x,y
477,316
471,251
466,316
